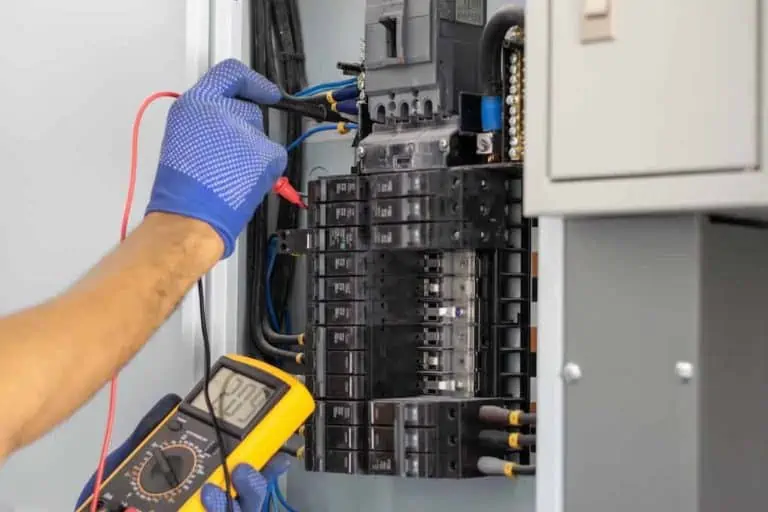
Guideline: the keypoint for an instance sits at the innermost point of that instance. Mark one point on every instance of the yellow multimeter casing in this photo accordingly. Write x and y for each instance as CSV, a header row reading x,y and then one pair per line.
x,y
258,407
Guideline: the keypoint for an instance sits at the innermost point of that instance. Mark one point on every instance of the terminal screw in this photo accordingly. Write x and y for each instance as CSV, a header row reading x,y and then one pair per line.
x,y
443,145
361,151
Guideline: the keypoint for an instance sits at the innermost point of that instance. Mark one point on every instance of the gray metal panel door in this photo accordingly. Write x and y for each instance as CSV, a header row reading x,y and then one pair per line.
x,y
674,91
631,295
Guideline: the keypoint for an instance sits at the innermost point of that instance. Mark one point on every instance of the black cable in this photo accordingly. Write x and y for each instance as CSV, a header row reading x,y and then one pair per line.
x,y
490,46
256,310
276,337
207,395
288,54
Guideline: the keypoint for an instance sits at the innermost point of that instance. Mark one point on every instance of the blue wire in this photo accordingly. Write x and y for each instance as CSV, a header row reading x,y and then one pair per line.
x,y
277,493
271,258
349,92
317,129
324,87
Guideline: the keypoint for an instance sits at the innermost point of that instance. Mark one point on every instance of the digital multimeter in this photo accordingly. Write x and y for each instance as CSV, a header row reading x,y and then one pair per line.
x,y
258,408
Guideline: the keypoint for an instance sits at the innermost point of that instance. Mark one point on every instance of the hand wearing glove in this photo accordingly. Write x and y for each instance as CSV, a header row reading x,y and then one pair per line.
x,y
216,163
253,488
145,427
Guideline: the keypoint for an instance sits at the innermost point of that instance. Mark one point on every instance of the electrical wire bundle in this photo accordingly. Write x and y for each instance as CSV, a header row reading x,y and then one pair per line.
x,y
502,417
278,54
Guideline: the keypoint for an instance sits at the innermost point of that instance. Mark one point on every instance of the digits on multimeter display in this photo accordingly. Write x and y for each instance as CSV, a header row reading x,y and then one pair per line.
x,y
236,398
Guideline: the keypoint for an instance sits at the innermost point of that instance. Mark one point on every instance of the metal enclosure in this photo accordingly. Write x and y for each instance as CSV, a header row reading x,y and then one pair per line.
x,y
664,113
669,410
347,493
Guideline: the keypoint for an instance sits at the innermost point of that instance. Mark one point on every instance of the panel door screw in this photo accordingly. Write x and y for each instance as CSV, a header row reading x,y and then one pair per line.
x,y
684,370
443,145
571,373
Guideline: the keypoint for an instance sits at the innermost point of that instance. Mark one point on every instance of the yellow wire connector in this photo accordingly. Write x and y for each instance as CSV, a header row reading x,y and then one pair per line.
x,y
492,466
342,128
515,440
501,416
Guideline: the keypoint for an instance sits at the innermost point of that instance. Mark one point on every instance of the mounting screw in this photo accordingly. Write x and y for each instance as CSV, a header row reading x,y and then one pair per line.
x,y
456,235
483,184
483,144
684,370
361,151
571,373
443,145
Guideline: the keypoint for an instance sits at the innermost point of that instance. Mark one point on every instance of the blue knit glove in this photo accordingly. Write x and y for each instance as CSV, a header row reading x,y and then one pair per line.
x,y
251,486
216,164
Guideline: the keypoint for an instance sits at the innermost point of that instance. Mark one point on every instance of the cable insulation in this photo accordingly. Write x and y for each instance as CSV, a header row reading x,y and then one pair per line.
x,y
207,396
317,129
325,87
123,233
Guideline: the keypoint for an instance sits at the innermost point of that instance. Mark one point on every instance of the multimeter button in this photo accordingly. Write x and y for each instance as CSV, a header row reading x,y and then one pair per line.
x,y
174,425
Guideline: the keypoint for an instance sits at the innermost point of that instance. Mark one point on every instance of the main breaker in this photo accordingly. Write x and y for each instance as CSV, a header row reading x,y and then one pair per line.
x,y
422,268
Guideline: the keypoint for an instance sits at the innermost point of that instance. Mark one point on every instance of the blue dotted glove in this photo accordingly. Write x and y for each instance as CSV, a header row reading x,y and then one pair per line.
x,y
216,163
253,488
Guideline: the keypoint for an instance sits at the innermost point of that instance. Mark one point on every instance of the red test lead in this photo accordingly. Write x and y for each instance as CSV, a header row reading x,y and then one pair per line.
x,y
284,189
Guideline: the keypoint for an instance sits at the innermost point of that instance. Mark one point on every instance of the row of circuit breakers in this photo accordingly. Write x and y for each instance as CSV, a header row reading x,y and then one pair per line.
x,y
421,266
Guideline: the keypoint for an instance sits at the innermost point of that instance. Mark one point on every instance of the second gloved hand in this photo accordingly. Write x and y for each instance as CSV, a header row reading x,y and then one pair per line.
x,y
216,163
253,488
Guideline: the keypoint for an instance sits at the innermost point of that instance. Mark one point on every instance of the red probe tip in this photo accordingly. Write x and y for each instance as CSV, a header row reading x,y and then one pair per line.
x,y
284,189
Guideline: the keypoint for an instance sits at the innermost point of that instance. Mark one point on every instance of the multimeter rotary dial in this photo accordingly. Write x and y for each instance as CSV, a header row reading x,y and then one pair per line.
x,y
168,470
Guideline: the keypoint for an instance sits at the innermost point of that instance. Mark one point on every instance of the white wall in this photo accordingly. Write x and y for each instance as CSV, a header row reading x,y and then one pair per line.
x,y
71,76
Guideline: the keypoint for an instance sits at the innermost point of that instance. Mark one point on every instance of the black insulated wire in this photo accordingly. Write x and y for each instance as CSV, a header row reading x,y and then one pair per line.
x,y
496,415
501,438
492,466
349,68
294,446
257,239
525,470
287,53
491,43
207,396
275,337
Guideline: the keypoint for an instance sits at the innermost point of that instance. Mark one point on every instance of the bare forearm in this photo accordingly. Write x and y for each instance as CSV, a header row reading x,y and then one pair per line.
x,y
56,356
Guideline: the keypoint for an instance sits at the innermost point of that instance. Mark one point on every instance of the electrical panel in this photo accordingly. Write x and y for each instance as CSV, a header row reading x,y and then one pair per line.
x,y
421,266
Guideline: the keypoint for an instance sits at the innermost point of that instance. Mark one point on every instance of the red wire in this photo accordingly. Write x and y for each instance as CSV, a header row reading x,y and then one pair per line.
x,y
287,192
123,233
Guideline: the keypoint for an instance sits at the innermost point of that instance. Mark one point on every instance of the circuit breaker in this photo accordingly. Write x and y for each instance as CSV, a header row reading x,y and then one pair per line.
x,y
421,267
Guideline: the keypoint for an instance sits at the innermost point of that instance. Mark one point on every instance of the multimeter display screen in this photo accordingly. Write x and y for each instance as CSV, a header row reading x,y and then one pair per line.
x,y
236,398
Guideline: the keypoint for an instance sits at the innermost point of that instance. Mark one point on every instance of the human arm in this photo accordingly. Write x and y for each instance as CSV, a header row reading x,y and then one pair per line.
x,y
216,166
55,356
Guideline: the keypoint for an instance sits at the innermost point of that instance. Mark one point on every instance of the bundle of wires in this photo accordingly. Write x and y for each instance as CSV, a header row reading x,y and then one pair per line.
x,y
278,54
326,87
